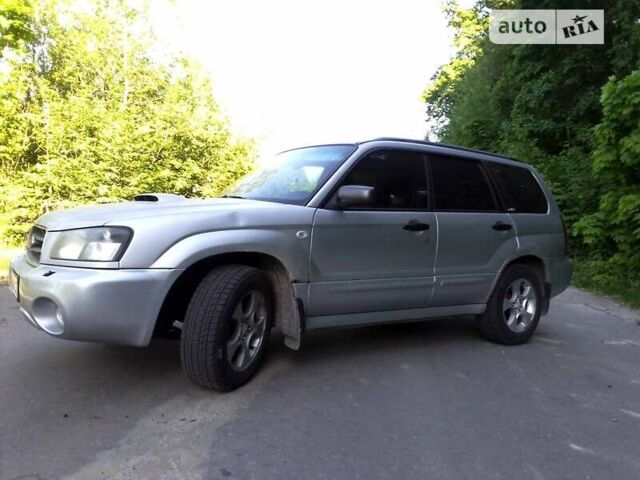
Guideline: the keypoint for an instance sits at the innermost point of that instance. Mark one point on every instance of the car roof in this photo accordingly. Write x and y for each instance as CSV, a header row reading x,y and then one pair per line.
x,y
438,148
448,146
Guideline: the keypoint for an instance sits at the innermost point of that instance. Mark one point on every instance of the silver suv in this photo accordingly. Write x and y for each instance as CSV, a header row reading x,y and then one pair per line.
x,y
326,236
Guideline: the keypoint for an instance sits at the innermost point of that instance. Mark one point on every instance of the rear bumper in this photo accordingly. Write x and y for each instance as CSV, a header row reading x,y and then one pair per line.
x,y
95,305
558,270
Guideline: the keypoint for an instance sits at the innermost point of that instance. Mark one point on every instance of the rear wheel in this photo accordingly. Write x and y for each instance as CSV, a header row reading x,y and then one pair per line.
x,y
226,327
513,310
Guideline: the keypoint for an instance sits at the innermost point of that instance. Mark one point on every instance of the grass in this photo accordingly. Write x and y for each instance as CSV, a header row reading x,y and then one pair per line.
x,y
601,277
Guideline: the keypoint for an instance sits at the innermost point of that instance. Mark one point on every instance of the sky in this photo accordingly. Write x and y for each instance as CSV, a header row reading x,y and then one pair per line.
x,y
294,73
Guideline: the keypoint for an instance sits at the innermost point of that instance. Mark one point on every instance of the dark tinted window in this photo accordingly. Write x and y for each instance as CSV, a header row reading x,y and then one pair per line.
x,y
399,177
460,184
520,189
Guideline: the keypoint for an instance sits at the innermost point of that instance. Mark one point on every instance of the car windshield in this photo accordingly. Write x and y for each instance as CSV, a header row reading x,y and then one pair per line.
x,y
292,176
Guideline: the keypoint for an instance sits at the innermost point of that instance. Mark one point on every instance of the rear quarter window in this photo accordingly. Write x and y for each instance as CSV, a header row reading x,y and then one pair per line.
x,y
520,189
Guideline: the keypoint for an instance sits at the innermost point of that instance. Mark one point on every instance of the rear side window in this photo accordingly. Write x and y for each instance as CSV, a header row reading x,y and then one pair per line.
x,y
460,184
521,190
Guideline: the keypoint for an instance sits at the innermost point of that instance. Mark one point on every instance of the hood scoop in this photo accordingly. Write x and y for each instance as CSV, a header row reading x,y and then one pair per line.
x,y
158,197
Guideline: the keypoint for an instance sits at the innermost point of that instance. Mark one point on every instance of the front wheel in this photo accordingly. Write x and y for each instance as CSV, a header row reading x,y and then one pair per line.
x,y
513,310
226,327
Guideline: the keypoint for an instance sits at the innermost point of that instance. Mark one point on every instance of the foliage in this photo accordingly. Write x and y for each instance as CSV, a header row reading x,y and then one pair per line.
x,y
469,26
15,23
90,113
545,104
615,226
611,278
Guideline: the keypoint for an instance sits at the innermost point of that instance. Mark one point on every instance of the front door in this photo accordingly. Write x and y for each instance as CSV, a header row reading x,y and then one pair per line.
x,y
372,258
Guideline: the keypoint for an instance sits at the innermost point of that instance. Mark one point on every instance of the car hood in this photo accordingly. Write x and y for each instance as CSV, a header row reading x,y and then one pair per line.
x,y
124,213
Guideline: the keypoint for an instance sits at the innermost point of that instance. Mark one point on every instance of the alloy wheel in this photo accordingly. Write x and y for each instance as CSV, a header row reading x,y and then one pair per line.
x,y
248,328
519,305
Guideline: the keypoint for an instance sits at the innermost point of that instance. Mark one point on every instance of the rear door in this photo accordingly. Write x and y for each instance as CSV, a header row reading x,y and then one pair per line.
x,y
475,235
370,258
539,230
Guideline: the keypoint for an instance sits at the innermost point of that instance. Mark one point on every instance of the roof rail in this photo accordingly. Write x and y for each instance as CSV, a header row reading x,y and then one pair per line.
x,y
438,144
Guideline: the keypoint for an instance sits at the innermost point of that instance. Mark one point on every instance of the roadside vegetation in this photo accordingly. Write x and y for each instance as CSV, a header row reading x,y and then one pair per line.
x,y
91,111
572,111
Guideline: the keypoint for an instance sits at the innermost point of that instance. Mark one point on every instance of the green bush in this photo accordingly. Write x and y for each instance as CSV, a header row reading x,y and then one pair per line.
x,y
615,226
612,277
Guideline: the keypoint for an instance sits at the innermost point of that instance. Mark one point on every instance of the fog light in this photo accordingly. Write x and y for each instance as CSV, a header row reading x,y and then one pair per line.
x,y
48,316
59,318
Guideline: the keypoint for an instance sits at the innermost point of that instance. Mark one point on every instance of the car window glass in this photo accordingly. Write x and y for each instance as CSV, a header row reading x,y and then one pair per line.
x,y
292,176
460,184
521,190
398,176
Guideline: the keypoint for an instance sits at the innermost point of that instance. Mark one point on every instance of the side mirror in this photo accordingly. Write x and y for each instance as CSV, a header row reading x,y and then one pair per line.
x,y
355,196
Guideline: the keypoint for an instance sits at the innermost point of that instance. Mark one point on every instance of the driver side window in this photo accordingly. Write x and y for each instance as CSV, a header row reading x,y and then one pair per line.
x,y
398,176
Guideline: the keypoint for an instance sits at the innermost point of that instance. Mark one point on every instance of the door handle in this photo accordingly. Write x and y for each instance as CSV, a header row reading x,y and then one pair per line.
x,y
501,226
416,226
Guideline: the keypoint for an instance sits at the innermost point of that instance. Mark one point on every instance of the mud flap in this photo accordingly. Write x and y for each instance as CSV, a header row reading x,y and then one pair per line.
x,y
289,316
546,300
293,338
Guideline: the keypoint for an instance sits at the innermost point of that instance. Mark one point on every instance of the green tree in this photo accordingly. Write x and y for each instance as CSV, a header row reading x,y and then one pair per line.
x,y
538,103
89,112
615,226
469,27
15,24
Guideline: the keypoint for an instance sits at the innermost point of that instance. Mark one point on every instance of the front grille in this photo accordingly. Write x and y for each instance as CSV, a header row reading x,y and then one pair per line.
x,y
34,243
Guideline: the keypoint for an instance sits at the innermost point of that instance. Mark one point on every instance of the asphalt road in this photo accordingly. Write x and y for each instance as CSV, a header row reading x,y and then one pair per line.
x,y
413,401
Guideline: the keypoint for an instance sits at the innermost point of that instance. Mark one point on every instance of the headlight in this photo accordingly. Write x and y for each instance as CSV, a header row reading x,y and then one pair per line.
x,y
101,244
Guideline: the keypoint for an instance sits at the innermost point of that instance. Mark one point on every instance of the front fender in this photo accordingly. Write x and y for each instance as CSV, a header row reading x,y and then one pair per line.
x,y
291,249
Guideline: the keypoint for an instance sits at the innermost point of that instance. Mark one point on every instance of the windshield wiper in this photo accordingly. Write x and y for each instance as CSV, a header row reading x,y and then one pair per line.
x,y
233,196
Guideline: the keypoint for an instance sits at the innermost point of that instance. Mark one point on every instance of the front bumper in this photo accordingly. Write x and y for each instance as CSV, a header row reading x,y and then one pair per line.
x,y
94,305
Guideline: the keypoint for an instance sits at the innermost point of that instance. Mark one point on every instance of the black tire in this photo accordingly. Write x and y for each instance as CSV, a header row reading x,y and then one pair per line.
x,y
209,323
493,323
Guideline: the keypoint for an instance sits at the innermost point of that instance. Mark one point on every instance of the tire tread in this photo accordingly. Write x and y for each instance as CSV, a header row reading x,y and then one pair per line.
x,y
204,321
